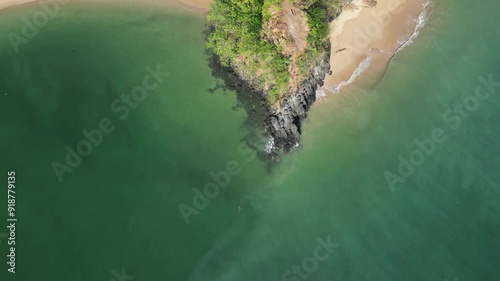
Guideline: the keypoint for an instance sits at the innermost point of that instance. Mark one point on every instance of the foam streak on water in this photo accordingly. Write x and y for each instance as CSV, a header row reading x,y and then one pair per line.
x,y
420,23
269,145
361,68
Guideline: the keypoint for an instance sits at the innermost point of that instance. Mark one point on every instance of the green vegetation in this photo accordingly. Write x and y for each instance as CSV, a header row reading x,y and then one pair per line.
x,y
318,15
267,6
318,26
237,39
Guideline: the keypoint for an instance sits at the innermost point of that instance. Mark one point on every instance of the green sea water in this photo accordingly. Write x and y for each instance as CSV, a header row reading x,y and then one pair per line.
x,y
116,215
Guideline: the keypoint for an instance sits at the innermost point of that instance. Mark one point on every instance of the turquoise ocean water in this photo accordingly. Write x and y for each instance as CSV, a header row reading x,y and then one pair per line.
x,y
116,215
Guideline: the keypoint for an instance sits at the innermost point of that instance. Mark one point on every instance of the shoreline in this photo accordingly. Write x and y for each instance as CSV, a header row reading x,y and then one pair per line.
x,y
8,4
365,35
364,38
197,6
361,38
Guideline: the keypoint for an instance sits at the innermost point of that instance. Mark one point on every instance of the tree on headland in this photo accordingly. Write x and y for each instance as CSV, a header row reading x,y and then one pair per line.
x,y
239,37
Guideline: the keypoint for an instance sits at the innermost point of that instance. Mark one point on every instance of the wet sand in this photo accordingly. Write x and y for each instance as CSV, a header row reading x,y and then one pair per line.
x,y
361,37
12,3
368,37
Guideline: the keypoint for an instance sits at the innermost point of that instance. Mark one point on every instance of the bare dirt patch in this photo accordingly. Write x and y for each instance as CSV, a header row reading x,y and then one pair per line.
x,y
297,26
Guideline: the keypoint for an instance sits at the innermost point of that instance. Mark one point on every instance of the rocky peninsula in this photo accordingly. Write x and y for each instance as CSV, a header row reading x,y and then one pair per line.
x,y
287,51
279,49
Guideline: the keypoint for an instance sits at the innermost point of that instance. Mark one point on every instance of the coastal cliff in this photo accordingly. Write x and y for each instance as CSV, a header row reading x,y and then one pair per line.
x,y
284,123
276,54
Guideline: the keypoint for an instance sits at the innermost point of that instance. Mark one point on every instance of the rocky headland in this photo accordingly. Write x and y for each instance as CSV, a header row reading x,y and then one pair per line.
x,y
275,54
284,122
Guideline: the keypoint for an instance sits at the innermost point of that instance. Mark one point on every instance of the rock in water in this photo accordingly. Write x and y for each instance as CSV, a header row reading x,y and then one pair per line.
x,y
284,123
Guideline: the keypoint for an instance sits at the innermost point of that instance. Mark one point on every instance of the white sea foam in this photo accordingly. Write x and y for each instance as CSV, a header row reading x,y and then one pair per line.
x,y
361,68
386,52
269,145
420,23
320,93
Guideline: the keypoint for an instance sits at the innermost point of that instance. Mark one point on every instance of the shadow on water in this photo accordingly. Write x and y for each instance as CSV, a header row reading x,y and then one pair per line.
x,y
253,102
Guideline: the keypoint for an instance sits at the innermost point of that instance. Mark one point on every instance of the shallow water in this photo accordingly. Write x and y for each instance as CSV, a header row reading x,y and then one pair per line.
x,y
120,207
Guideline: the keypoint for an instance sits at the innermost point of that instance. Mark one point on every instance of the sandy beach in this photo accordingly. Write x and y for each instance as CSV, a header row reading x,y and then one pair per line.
x,y
12,3
365,37
361,37
199,6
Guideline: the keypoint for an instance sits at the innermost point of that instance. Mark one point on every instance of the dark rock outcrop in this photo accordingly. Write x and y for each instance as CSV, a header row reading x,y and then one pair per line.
x,y
284,123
